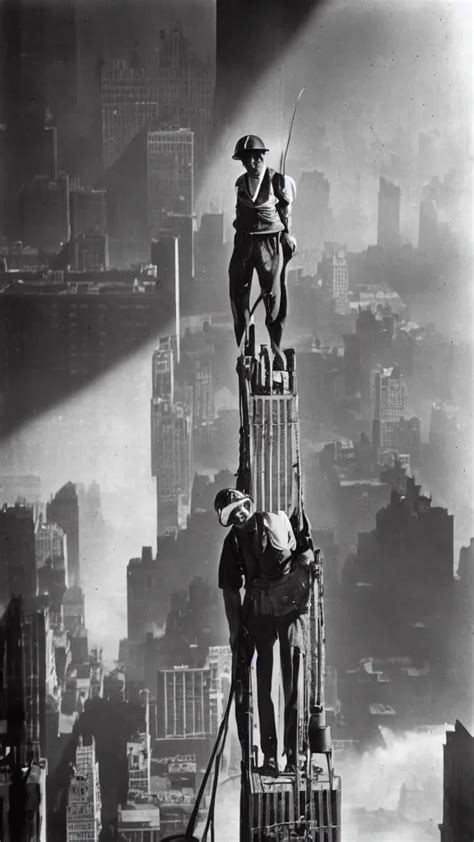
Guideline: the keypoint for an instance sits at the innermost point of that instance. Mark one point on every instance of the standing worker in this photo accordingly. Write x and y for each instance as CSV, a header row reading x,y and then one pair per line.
x,y
261,550
262,241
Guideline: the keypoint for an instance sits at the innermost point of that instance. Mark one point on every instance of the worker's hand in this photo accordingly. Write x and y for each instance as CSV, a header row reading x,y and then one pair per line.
x,y
289,245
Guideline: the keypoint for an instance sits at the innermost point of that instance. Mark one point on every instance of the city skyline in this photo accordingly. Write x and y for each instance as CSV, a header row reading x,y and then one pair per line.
x,y
119,402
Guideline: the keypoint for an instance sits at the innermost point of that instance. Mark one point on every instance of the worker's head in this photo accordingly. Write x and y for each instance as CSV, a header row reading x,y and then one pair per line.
x,y
251,149
233,507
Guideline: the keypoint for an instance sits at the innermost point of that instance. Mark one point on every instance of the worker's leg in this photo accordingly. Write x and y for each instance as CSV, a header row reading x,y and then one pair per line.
x,y
241,268
264,634
290,664
269,265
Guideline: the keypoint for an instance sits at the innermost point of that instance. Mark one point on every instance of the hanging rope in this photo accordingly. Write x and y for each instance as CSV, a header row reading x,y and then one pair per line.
x,y
216,755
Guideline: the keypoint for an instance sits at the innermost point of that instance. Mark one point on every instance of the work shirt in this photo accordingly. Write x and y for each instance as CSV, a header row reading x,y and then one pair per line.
x,y
249,553
264,204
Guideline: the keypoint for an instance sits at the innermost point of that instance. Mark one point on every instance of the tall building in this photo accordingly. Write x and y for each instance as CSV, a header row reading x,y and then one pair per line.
x,y
171,447
63,509
333,272
186,89
171,442
29,686
165,256
88,211
17,553
129,103
183,703
84,802
390,405
458,786
170,174
90,252
388,217
45,213
139,757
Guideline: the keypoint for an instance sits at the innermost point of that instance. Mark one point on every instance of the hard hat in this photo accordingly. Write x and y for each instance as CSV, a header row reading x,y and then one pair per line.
x,y
227,500
248,143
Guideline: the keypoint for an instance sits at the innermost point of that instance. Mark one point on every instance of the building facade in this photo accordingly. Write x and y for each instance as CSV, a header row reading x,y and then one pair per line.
x,y
183,703
170,174
84,802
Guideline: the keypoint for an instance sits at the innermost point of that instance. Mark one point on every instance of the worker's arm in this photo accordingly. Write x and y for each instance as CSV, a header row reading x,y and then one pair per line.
x,y
233,612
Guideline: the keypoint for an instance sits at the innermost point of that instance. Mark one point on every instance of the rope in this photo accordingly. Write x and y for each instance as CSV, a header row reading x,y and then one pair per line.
x,y
217,750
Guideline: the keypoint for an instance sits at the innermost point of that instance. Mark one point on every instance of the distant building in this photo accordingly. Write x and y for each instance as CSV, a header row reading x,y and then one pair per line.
x,y
51,562
84,802
165,256
388,218
458,786
45,213
170,174
390,404
88,211
142,581
17,553
63,509
90,252
129,102
186,89
140,824
163,371
171,445
29,677
139,759
74,611
332,270
183,703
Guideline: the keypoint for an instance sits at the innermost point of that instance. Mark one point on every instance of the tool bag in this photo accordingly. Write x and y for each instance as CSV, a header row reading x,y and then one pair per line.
x,y
290,593
287,593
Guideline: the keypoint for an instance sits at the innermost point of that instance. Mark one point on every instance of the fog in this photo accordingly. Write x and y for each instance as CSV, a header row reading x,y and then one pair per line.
x,y
373,782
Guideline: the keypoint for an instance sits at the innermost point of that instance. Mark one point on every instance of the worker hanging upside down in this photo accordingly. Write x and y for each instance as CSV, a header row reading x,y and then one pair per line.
x,y
261,551
262,241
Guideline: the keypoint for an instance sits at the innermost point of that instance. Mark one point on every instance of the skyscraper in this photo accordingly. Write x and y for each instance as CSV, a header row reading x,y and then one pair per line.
x,y
88,211
45,213
335,277
390,405
170,174
129,103
63,509
186,89
183,703
84,802
17,553
388,218
171,447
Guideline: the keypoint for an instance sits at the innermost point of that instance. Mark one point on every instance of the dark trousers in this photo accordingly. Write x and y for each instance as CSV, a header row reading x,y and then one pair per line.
x,y
264,254
265,631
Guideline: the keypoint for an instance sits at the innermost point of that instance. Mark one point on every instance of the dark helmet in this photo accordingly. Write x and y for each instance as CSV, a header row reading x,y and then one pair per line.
x,y
248,143
227,500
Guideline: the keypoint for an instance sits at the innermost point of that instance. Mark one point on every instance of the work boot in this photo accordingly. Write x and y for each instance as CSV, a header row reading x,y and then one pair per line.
x,y
269,766
290,768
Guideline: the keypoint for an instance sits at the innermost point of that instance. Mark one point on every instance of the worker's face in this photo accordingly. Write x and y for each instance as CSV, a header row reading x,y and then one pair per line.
x,y
254,163
241,514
